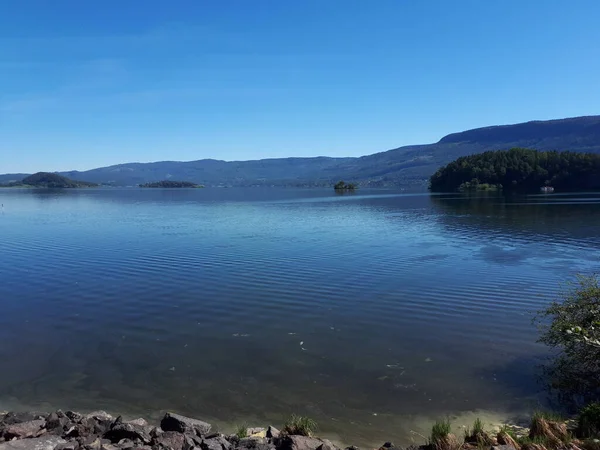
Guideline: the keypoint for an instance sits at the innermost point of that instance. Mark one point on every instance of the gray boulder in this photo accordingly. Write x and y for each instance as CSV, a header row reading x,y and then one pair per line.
x,y
57,422
120,431
327,445
254,443
503,447
215,443
22,430
20,417
303,443
40,443
182,424
72,445
169,440
273,432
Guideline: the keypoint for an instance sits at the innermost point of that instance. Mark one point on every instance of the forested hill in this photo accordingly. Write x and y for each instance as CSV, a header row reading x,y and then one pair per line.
x,y
404,166
519,169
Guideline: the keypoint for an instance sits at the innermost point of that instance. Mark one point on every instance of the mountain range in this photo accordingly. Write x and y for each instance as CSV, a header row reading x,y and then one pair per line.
x,y
405,166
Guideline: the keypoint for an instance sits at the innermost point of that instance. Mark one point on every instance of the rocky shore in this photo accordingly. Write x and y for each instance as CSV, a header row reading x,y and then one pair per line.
x,y
101,431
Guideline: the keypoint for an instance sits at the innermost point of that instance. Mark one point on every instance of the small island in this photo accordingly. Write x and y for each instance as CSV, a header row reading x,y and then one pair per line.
x,y
49,180
342,186
171,184
519,170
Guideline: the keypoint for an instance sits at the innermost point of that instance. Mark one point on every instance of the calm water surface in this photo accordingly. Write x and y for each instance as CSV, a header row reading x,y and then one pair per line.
x,y
372,313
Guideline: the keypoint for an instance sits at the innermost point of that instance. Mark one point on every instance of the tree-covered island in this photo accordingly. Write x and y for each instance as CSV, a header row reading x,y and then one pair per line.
x,y
49,180
519,169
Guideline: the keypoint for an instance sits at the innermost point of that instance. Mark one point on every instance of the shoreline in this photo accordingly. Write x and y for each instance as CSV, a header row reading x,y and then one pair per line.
x,y
99,430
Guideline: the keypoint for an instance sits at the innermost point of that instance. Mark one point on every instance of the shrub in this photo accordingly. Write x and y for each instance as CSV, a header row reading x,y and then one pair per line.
x,y
588,422
299,425
571,326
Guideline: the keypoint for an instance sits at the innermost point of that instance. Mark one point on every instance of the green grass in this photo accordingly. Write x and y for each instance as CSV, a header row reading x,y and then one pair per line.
x,y
477,426
524,440
508,430
547,415
300,425
439,431
241,431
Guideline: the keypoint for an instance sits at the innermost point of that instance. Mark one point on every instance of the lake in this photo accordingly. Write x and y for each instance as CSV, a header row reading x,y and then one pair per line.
x,y
373,313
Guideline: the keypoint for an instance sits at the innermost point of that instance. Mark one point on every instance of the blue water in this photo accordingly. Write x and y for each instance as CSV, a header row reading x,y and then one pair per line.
x,y
365,311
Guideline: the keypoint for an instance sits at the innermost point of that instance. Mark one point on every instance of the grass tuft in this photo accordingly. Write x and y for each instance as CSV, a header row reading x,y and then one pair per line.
x,y
241,431
477,427
547,415
300,426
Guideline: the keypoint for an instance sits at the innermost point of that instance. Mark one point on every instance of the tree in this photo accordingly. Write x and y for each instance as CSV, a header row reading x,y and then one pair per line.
x,y
571,326
342,186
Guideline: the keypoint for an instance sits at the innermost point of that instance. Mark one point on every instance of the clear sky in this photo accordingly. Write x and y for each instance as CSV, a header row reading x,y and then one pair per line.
x,y
85,84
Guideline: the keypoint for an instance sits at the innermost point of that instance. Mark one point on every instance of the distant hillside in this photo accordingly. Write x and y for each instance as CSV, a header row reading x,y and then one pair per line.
x,y
50,180
404,166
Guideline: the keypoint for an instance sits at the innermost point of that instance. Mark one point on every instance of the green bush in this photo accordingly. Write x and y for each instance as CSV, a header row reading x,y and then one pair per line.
x,y
588,422
571,327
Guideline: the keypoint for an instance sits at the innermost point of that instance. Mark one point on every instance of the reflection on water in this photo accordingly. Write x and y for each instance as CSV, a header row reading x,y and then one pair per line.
x,y
369,312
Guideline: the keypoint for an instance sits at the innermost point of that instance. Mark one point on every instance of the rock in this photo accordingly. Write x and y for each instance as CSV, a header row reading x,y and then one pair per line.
x,y
74,416
140,422
40,443
169,439
96,444
120,430
22,430
57,422
273,432
299,443
254,443
126,443
256,432
328,445
73,445
100,415
108,447
182,424
12,418
352,447
155,432
215,443
503,447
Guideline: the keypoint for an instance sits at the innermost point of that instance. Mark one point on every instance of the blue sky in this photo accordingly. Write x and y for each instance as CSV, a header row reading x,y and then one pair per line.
x,y
92,83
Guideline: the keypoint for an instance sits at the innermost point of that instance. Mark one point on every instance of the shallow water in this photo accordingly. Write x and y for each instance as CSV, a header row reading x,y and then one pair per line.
x,y
373,313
